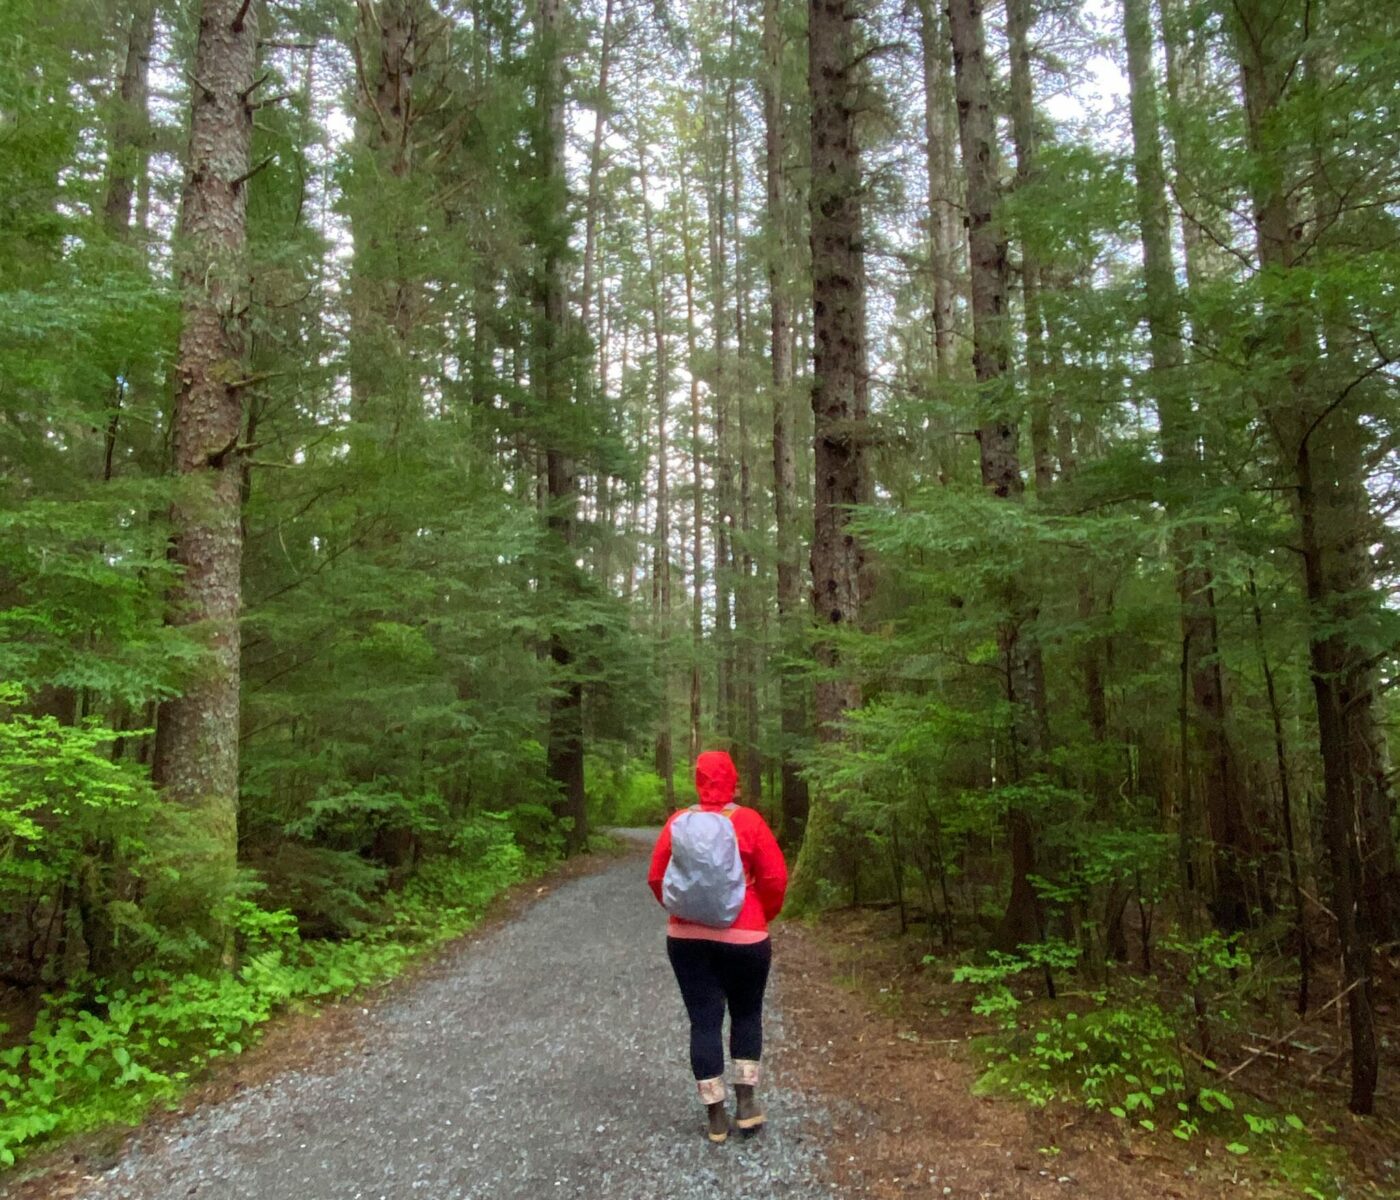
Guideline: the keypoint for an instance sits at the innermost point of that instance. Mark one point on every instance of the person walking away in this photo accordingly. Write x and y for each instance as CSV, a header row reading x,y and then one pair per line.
x,y
719,872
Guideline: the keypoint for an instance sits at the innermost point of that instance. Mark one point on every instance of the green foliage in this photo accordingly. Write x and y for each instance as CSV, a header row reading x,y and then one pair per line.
x,y
67,811
1122,1058
91,1060
627,794
999,1000
1122,1054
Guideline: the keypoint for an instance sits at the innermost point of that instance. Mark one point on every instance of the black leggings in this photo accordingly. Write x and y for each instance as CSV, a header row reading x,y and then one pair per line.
x,y
710,975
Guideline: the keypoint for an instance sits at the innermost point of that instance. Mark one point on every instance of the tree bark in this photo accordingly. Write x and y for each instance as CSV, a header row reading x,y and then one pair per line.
x,y
131,122
940,131
1018,26
717,203
1231,844
196,753
840,385
697,481
997,437
564,753
661,568
792,709
595,167
1269,40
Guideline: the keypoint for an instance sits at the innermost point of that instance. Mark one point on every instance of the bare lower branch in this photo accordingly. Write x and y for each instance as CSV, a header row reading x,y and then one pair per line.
x,y
247,175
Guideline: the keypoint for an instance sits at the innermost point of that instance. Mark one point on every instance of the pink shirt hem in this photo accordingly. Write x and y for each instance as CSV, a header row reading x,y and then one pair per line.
x,y
677,928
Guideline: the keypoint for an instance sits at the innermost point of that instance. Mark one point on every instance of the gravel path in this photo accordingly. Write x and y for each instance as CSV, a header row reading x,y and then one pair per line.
x,y
544,1059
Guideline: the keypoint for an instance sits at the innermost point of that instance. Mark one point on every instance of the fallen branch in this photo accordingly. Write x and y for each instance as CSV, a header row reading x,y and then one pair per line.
x,y
1287,1037
1307,895
1317,1075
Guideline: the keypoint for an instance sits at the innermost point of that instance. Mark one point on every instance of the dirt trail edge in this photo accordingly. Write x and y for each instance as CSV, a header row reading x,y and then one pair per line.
x,y
544,1059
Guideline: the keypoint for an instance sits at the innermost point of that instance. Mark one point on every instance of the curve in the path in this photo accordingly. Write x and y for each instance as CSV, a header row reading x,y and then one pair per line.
x,y
545,1059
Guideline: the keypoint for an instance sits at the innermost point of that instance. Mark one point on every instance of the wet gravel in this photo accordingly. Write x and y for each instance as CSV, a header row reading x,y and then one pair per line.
x,y
544,1059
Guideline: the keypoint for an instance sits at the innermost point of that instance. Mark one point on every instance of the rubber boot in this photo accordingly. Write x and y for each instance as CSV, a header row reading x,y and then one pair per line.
x,y
748,1116
712,1096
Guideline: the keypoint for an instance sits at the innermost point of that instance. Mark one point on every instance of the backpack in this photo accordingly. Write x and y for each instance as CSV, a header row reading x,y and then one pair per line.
x,y
704,881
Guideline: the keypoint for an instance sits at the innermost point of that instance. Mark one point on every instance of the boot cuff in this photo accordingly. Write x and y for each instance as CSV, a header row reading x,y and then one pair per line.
x,y
711,1090
746,1071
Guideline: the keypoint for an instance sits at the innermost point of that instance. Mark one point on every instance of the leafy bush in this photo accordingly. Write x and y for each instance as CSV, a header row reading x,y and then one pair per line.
x,y
630,795
998,1000
70,815
1123,1059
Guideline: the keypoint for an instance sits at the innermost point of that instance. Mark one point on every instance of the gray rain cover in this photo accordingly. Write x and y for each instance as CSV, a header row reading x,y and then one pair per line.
x,y
704,881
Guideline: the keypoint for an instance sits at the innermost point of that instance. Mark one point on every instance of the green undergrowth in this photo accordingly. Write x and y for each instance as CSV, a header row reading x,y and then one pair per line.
x,y
628,794
108,1055
1124,1054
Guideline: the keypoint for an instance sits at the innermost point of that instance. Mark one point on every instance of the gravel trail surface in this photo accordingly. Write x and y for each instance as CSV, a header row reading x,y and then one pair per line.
x,y
544,1059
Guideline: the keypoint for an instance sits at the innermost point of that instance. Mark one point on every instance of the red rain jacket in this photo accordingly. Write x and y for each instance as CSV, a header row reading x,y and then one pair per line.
x,y
765,869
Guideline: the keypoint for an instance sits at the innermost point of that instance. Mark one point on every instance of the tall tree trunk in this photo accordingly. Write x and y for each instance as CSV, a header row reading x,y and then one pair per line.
x,y
384,292
997,436
697,481
792,709
939,134
840,385
1285,788
717,203
595,167
661,569
1224,812
196,752
1185,80
1269,39
127,153
131,122
746,611
564,754
839,393
383,299
1018,26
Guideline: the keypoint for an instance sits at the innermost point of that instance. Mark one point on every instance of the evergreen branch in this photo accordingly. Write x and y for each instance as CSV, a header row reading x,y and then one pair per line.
x,y
872,52
253,87
363,76
209,92
257,377
215,458
247,175
331,558
1374,369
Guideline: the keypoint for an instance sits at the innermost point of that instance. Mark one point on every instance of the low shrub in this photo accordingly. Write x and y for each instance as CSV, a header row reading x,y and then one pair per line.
x,y
630,795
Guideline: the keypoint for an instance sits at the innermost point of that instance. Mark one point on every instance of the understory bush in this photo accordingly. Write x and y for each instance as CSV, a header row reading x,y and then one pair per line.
x,y
1125,1055
107,1054
629,794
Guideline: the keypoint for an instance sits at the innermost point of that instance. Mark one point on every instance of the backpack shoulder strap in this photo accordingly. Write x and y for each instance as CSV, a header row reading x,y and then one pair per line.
x,y
729,810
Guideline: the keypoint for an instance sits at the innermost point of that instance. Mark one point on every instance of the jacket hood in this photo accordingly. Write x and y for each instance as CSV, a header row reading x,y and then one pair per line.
x,y
715,779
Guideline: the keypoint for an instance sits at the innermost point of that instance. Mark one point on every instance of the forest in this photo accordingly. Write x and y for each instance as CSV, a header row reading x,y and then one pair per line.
x,y
425,425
